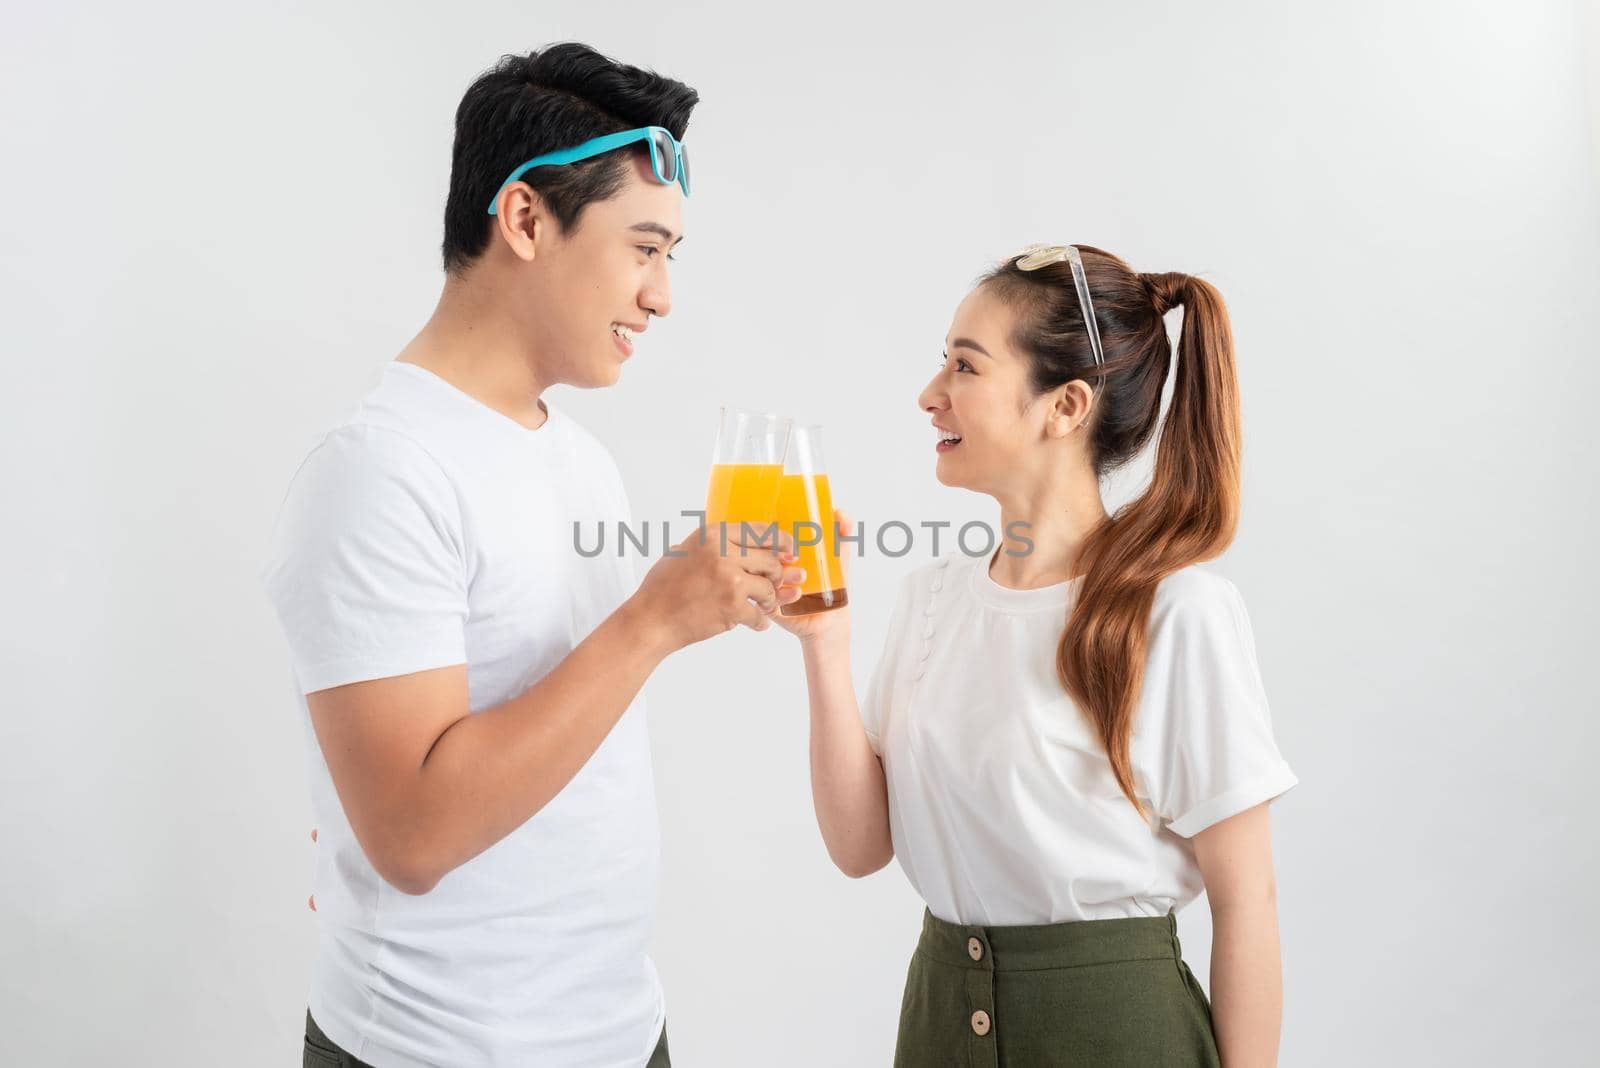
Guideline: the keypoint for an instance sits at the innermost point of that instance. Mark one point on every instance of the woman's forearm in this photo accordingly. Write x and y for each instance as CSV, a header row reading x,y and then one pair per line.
x,y
847,781
1246,983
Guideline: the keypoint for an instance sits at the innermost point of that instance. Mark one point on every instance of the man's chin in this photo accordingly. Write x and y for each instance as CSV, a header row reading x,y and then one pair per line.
x,y
601,375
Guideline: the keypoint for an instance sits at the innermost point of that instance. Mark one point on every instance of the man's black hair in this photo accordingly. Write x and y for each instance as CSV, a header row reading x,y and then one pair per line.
x,y
549,99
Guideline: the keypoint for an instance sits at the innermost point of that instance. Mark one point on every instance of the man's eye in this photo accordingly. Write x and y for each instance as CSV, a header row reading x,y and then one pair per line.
x,y
650,252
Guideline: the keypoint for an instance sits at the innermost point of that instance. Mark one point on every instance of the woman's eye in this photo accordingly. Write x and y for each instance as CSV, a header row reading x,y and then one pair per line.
x,y
960,363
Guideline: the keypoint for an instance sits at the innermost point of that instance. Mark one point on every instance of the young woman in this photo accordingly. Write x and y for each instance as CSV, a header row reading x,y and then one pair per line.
x,y
1067,740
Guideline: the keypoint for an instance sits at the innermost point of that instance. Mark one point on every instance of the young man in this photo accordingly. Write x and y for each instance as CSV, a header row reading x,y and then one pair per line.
x,y
488,850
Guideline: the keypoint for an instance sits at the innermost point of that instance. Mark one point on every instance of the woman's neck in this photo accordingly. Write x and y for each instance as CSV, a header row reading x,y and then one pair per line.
x,y
1056,522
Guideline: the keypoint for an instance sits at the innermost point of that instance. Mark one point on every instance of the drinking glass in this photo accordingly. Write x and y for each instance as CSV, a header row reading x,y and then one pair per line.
x,y
805,513
745,468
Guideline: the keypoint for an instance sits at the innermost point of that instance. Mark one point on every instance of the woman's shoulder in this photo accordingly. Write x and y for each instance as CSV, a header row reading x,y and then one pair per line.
x,y
1194,594
1193,581
1197,600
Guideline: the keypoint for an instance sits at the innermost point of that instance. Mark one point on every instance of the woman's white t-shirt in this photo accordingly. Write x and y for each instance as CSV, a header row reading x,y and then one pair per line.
x,y
1002,804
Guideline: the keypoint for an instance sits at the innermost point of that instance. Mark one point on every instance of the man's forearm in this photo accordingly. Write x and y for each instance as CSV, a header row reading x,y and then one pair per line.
x,y
490,771
1246,984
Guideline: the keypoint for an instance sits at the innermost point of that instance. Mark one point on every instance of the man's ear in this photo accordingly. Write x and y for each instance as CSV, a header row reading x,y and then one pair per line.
x,y
522,220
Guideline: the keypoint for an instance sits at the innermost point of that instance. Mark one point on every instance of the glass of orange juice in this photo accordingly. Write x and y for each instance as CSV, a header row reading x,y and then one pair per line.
x,y
805,513
745,469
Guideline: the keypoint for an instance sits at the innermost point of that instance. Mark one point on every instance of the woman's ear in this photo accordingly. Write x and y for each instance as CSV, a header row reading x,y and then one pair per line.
x,y
1069,407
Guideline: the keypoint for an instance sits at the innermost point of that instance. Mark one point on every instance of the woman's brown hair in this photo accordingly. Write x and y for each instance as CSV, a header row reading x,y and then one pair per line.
x,y
1191,507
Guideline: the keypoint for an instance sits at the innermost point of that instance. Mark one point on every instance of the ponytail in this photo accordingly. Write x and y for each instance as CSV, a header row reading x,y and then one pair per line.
x,y
1188,514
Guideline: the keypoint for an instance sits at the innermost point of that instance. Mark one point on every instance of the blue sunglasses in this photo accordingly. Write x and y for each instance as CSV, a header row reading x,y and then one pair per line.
x,y
668,158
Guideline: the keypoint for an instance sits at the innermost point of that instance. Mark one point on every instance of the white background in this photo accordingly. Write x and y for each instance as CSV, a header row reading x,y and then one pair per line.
x,y
219,222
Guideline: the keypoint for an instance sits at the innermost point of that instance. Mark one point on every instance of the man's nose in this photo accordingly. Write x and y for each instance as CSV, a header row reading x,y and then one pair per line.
x,y
657,297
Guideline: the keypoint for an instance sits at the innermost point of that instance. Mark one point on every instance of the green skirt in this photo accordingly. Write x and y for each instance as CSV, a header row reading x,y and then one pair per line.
x,y
1106,993
323,1052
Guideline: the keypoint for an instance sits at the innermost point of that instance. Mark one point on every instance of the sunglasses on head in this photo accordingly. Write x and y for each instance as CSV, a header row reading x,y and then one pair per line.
x,y
1036,256
669,160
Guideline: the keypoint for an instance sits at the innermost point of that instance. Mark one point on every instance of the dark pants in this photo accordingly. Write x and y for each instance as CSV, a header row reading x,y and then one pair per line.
x,y
1106,993
320,1051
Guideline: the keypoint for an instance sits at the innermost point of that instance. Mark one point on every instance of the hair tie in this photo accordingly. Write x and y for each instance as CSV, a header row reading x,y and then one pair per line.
x,y
1167,289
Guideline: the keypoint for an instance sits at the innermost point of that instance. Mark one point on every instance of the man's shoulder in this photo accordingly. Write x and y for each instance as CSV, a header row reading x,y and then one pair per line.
x,y
357,458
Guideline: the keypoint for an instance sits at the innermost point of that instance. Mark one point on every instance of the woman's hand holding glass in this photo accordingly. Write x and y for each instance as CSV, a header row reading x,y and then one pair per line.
x,y
835,622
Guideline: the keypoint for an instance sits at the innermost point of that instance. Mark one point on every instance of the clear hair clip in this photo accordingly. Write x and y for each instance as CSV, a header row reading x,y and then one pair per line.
x,y
1036,256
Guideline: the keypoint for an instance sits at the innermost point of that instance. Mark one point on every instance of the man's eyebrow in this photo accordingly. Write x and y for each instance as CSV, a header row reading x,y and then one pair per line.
x,y
657,229
968,343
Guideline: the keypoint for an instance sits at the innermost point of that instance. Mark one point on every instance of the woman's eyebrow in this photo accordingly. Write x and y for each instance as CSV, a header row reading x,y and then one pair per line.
x,y
968,343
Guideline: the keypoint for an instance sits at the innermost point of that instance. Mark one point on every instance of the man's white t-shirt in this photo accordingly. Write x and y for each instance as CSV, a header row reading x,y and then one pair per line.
x,y
1003,807
429,530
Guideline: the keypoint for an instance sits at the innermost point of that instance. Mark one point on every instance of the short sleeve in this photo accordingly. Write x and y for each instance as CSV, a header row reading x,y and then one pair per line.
x,y
1203,744
884,671
367,568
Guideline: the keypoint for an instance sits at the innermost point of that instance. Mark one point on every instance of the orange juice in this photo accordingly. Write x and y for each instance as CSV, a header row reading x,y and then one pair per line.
x,y
743,493
807,499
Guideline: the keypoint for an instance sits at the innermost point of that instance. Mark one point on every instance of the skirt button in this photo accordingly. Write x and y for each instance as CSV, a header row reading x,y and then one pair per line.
x,y
980,1023
974,949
